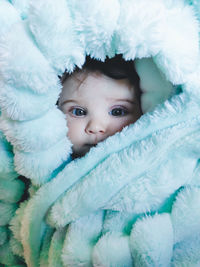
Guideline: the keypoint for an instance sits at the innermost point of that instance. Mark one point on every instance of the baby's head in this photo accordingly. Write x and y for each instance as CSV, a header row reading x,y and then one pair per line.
x,y
99,100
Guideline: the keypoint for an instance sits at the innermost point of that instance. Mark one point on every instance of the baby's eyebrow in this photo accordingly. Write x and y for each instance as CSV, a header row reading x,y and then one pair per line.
x,y
67,101
124,100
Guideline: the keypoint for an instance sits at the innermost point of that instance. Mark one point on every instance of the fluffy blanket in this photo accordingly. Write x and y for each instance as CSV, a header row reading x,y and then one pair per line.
x,y
134,199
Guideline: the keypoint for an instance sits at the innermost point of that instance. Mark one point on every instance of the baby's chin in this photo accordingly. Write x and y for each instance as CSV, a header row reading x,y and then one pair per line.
x,y
81,151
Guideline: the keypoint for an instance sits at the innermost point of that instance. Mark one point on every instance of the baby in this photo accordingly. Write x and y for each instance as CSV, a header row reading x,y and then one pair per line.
x,y
99,100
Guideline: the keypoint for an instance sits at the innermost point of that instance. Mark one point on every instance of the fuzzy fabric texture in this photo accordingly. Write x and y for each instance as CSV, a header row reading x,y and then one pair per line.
x,y
134,199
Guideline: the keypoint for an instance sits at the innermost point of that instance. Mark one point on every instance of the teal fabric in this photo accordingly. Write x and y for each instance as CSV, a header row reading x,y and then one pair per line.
x,y
134,199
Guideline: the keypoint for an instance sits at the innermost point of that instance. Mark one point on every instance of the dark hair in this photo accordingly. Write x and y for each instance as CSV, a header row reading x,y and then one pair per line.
x,y
115,68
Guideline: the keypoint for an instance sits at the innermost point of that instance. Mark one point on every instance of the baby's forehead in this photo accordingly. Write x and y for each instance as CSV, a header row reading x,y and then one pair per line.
x,y
85,77
88,84
78,78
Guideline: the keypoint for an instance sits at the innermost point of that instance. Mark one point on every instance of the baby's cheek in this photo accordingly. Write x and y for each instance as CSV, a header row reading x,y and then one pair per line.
x,y
74,131
119,124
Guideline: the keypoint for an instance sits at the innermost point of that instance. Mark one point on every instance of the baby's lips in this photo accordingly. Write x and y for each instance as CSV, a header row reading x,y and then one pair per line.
x,y
95,142
91,145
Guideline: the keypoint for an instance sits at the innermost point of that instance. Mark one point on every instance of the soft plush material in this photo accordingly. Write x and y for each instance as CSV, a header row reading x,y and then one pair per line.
x,y
134,199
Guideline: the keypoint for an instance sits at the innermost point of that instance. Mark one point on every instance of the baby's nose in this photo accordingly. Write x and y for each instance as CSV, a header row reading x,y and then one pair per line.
x,y
95,127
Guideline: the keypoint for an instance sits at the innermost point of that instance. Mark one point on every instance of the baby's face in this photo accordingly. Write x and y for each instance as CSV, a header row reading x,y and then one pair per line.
x,y
96,107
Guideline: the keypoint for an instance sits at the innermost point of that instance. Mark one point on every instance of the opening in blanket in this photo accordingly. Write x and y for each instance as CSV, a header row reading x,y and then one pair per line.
x,y
101,98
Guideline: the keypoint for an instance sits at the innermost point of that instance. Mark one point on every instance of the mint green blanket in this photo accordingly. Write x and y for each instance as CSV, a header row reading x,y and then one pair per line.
x,y
134,199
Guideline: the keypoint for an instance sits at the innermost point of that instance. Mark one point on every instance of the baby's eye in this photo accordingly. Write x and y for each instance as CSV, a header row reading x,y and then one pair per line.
x,y
118,112
79,112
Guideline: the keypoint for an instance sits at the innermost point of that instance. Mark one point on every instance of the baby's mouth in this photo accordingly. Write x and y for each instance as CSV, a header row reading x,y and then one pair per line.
x,y
90,145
